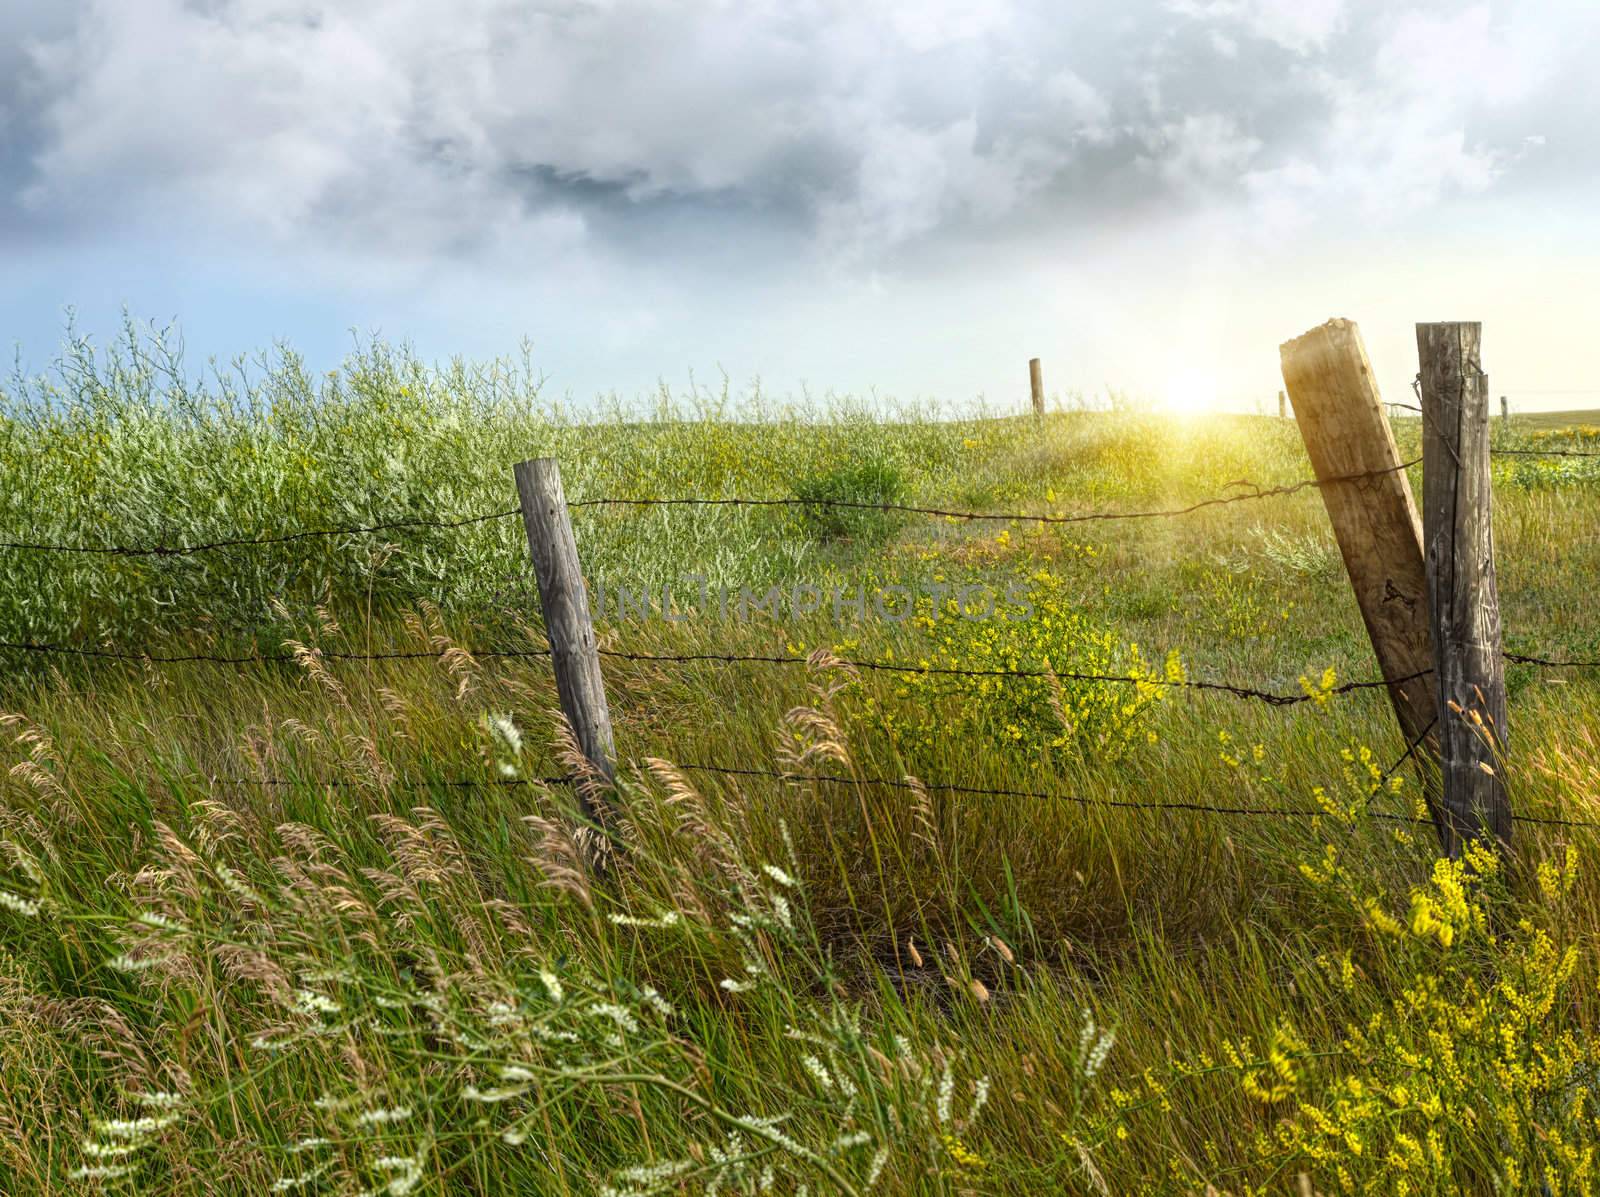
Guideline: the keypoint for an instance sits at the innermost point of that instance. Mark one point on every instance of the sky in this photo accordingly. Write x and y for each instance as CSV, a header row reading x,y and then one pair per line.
x,y
902,198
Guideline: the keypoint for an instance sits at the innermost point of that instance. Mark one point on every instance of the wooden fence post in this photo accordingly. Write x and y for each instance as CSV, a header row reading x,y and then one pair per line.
x,y
565,604
1505,412
1347,436
1458,537
1036,380
1282,406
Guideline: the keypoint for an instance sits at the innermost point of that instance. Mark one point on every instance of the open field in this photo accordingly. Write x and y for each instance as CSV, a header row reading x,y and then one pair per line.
x,y
317,925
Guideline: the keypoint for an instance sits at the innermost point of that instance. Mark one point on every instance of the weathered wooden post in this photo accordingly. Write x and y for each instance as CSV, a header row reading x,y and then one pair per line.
x,y
1505,412
1458,536
1036,380
565,604
1364,487
1283,410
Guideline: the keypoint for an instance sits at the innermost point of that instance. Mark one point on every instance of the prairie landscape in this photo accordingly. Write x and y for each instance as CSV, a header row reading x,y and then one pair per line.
x,y
932,904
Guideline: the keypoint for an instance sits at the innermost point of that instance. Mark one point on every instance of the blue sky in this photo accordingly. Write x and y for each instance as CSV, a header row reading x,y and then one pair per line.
x,y
911,197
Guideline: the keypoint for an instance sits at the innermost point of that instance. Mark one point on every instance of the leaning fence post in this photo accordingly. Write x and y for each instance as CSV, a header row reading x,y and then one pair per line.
x,y
1036,381
1364,487
565,604
1458,537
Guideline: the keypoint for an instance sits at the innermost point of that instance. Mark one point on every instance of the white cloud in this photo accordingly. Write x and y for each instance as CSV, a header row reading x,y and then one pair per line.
x,y
513,131
1299,25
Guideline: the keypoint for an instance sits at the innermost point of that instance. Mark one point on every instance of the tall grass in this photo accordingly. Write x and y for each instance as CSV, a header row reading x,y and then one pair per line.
x,y
320,928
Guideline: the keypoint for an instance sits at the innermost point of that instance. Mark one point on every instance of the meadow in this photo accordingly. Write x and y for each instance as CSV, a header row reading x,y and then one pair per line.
x,y
324,923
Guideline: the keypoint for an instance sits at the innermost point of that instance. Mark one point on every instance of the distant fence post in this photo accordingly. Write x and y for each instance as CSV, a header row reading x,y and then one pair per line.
x,y
565,604
1505,411
1347,436
1458,537
1036,381
1283,408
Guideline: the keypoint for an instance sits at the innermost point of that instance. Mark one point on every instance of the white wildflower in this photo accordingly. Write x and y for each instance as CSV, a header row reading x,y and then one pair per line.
x,y
879,1159
18,904
108,1151
947,1092
657,1002
102,1171
980,1095
237,886
129,964
503,1015
552,985
383,1114
507,732
661,922
1097,1056
652,1176
158,1100
620,1015
815,1067
308,1002
285,1184
492,1096
132,1128
779,876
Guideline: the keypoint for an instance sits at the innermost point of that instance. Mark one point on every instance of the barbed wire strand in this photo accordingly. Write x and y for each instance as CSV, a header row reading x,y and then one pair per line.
x,y
1256,492
1116,803
907,783
1271,698
242,541
1542,453
1253,492
257,658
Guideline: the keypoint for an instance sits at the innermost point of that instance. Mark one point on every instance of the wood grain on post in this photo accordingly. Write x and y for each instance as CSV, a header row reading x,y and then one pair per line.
x,y
1036,381
565,604
1458,537
1283,410
1347,436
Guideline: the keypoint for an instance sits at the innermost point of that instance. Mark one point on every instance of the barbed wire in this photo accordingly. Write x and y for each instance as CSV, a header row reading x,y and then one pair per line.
x,y
1525,659
257,658
1497,452
1253,491
1271,698
1542,453
903,783
1157,805
243,541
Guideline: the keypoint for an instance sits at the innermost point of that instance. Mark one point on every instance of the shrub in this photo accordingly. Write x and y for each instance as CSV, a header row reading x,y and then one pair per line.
x,y
869,482
1037,633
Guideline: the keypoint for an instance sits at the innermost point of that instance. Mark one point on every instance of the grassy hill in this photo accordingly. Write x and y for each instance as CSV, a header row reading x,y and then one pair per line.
x,y
320,925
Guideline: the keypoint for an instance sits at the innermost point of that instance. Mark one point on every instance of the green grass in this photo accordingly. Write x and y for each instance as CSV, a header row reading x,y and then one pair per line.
x,y
309,922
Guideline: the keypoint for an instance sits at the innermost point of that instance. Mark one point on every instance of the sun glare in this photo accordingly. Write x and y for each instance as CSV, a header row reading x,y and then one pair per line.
x,y
1190,392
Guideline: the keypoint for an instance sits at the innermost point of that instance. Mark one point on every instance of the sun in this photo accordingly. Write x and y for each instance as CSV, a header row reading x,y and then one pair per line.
x,y
1189,392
